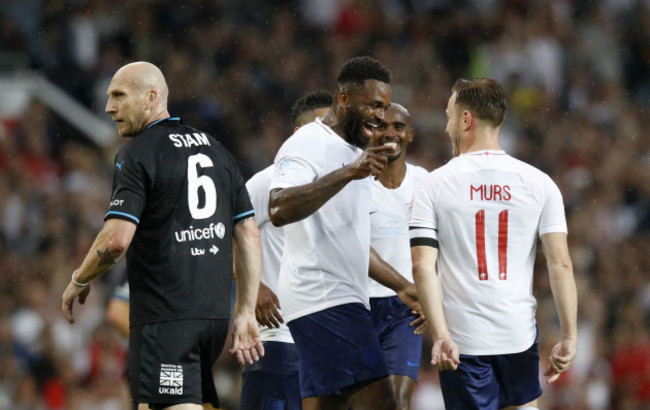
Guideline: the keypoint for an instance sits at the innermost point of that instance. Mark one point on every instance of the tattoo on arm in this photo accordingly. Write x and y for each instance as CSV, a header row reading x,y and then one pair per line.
x,y
105,258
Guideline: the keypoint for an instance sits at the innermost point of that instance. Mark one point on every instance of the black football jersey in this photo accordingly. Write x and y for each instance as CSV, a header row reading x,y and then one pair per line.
x,y
185,192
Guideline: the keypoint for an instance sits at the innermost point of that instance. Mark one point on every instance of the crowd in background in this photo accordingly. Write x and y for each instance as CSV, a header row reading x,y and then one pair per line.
x,y
577,73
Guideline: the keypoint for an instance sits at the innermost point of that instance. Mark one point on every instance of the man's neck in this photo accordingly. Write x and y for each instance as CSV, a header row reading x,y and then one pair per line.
x,y
484,141
331,121
394,173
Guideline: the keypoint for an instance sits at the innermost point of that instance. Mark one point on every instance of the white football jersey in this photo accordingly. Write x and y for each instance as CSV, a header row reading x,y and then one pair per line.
x,y
389,233
486,210
272,238
325,259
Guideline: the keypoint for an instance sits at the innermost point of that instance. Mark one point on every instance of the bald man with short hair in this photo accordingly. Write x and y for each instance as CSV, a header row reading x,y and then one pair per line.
x,y
179,208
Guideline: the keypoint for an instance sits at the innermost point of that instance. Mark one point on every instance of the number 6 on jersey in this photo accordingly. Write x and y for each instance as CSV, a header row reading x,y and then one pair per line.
x,y
196,182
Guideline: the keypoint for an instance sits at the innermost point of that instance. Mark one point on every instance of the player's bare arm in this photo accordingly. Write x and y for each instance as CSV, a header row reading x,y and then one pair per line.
x,y
106,258
563,286
287,205
267,310
384,273
109,246
247,345
444,354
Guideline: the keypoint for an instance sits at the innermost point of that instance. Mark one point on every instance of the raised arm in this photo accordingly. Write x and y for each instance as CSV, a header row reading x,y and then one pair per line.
x,y
287,205
444,354
247,346
565,295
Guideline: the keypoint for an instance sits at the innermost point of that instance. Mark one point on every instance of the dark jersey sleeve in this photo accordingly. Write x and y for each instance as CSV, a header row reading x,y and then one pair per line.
x,y
242,206
129,186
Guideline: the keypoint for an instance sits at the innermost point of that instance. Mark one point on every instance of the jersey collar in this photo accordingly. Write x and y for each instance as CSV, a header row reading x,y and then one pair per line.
x,y
161,120
486,152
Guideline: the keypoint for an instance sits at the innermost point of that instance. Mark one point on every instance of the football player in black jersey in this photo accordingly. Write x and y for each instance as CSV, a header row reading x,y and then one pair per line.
x,y
179,205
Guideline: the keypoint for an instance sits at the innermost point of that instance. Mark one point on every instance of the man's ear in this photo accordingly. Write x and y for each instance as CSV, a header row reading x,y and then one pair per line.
x,y
343,98
153,96
467,119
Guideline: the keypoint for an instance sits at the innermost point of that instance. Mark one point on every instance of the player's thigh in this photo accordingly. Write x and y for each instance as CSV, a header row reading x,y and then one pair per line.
x,y
377,395
338,350
170,362
530,405
212,340
270,391
272,382
403,387
492,382
401,348
518,376
471,386
325,403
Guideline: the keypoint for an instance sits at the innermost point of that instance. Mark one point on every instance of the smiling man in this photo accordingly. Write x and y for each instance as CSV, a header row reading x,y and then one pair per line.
x,y
400,339
321,194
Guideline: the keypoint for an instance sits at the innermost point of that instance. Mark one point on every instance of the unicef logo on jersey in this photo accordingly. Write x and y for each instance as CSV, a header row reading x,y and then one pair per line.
x,y
221,230
198,234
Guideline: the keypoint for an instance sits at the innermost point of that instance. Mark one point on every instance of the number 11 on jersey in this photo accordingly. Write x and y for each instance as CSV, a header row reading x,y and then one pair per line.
x,y
502,245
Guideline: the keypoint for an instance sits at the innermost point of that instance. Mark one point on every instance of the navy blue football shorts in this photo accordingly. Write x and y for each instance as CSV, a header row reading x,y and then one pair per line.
x,y
338,349
401,348
492,382
171,362
272,382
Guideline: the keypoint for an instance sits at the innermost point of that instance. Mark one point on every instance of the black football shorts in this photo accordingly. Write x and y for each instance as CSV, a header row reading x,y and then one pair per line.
x,y
171,362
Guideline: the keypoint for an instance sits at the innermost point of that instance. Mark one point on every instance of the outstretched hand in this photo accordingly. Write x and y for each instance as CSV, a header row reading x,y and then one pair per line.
x,y
246,343
444,355
561,358
267,309
69,295
371,162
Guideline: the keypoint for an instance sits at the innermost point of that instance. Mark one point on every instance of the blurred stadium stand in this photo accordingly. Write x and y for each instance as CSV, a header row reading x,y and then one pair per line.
x,y
577,73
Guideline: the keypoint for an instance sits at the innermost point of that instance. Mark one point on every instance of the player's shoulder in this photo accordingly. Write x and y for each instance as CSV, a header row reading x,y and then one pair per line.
x,y
308,134
416,171
313,134
452,166
172,133
261,180
528,171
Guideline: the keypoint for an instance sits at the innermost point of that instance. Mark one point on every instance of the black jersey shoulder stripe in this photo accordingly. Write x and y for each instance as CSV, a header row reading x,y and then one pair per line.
x,y
421,227
424,242
121,215
244,215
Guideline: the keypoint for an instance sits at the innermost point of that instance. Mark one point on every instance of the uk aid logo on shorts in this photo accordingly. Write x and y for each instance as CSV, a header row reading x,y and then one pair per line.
x,y
171,379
